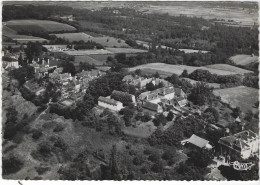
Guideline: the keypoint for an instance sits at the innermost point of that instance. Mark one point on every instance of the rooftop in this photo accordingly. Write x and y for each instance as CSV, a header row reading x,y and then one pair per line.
x,y
197,141
151,106
239,140
108,100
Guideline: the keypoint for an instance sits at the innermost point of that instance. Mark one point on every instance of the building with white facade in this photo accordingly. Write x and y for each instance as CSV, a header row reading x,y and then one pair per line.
x,y
110,103
244,143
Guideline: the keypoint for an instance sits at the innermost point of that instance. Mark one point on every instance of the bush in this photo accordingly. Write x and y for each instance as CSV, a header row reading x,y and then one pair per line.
x,y
11,165
144,169
132,152
155,156
59,127
60,143
36,134
41,170
138,160
147,152
157,167
45,148
167,155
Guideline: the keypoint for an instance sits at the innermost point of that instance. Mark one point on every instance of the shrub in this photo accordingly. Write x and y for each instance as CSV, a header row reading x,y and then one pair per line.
x,y
36,134
157,167
59,127
11,165
144,169
167,155
155,156
41,170
45,148
132,152
60,143
138,160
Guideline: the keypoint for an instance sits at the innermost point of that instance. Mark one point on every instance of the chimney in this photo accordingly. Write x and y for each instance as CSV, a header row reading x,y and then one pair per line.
x,y
43,61
38,59
48,61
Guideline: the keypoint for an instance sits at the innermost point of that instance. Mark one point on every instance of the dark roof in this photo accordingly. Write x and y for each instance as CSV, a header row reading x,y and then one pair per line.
x,y
9,59
32,86
151,106
239,140
108,100
197,141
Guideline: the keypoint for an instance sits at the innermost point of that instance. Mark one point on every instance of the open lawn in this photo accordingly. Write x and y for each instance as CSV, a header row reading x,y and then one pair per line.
x,y
107,41
241,96
38,25
168,69
226,67
193,51
193,82
87,52
126,50
87,59
244,60
74,36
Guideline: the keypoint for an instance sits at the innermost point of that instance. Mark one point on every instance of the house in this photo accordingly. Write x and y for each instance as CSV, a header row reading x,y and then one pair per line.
x,y
244,143
196,142
34,88
152,107
110,103
180,101
117,95
10,62
156,95
137,81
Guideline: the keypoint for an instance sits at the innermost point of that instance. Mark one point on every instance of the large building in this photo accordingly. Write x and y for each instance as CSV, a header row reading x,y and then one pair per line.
x,y
110,103
10,62
244,143
197,142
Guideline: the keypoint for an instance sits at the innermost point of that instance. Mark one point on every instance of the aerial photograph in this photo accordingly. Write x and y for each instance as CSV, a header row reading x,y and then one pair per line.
x,y
130,90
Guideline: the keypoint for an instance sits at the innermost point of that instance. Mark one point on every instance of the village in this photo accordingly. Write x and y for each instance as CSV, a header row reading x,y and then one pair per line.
x,y
84,101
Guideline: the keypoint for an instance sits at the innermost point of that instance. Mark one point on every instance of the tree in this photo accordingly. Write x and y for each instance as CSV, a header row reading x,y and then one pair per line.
x,y
200,158
201,94
170,116
11,165
69,67
157,167
113,164
150,86
249,115
214,112
174,79
160,119
185,74
236,112
168,154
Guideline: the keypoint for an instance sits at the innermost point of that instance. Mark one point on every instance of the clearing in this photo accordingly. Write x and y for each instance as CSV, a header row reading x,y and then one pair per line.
x,y
226,67
193,82
38,25
74,36
87,59
244,60
168,69
241,96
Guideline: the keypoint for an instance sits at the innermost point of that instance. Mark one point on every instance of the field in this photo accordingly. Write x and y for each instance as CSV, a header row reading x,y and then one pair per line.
x,y
104,51
110,41
226,67
167,69
87,59
244,60
193,51
243,97
74,36
214,85
207,11
38,25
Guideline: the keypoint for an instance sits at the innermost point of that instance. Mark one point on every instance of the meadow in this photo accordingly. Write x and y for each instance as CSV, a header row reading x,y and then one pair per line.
x,y
165,69
241,96
38,25
74,36
244,60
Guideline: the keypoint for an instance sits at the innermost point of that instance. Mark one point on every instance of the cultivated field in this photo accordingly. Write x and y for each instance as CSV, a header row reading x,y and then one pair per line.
x,y
243,97
207,11
87,52
110,41
226,67
38,25
87,59
74,36
193,82
244,60
126,50
193,51
168,69
104,51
